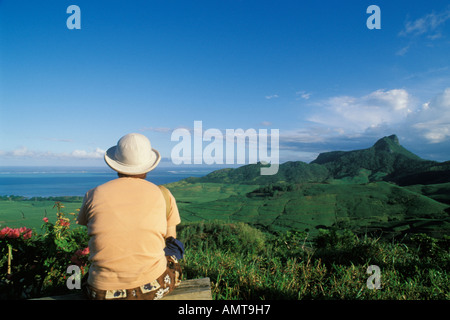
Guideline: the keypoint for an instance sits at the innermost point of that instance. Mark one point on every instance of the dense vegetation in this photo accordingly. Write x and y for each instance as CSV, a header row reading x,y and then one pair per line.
x,y
34,264
244,262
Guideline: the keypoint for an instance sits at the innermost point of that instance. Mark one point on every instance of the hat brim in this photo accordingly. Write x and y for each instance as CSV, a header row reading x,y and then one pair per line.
x,y
128,169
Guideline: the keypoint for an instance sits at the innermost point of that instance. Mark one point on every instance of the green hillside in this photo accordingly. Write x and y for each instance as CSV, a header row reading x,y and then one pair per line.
x,y
19,212
386,160
377,206
343,189
435,173
439,192
288,172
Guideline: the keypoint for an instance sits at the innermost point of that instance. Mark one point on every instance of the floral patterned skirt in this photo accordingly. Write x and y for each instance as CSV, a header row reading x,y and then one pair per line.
x,y
154,290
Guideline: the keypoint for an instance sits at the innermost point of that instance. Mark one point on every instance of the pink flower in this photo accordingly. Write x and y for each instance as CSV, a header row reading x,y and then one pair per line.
x,y
45,219
4,232
83,252
15,233
23,230
8,232
75,260
27,234
63,223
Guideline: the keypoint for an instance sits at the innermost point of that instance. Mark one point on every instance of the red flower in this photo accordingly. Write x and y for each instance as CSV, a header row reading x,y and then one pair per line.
x,y
75,260
79,255
63,222
27,234
45,219
4,232
8,232
15,233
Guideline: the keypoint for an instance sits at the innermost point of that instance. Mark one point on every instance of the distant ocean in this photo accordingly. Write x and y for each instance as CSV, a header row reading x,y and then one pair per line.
x,y
75,181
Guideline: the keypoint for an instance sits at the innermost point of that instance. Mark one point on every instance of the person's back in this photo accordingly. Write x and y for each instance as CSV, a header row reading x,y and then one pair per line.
x,y
128,225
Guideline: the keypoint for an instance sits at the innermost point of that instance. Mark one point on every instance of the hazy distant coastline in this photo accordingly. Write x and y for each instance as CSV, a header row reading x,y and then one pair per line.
x,y
75,181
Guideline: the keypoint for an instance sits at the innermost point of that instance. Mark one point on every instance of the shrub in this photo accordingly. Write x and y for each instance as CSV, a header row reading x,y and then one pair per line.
x,y
33,265
229,237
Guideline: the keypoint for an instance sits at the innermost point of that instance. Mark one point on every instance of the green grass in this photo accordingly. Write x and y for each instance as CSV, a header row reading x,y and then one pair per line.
x,y
307,207
29,213
439,192
245,263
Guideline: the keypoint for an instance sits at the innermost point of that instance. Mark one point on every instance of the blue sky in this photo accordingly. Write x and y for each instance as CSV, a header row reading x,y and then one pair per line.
x,y
311,69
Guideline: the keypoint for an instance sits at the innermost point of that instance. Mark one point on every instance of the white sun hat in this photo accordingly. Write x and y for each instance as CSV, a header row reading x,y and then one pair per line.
x,y
132,155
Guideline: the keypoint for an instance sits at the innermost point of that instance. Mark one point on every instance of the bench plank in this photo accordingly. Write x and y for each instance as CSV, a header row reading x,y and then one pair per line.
x,y
193,289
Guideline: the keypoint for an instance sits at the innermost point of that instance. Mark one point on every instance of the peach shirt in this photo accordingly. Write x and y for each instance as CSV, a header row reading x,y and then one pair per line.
x,y
127,223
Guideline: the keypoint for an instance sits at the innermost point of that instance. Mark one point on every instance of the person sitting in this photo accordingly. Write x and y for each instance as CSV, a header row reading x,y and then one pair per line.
x,y
131,224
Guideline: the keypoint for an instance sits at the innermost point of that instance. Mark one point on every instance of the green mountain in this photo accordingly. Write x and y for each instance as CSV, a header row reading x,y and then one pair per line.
x,y
340,189
288,172
386,160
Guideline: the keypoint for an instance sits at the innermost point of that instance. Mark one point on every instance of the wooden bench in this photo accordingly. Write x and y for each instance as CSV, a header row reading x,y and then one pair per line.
x,y
193,289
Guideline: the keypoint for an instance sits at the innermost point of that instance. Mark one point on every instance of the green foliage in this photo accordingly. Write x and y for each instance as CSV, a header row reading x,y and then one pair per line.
x,y
333,266
37,265
239,238
244,262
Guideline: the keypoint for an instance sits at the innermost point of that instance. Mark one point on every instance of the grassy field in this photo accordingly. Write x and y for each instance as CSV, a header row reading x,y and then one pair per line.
x,y
376,206
29,213
308,207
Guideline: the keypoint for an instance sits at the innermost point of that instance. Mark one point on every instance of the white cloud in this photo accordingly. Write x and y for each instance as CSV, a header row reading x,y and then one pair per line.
x,y
83,154
428,24
379,113
347,114
274,96
403,51
303,94
433,120
24,152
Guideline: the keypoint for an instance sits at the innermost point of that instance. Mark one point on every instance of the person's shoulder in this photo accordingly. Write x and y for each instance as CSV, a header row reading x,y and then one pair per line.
x,y
111,184
147,184
134,182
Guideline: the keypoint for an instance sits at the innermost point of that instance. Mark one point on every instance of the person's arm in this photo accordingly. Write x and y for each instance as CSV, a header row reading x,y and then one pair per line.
x,y
171,232
82,214
173,218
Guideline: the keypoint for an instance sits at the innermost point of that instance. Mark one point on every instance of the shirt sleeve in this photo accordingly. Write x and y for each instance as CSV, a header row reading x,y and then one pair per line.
x,y
83,214
174,216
